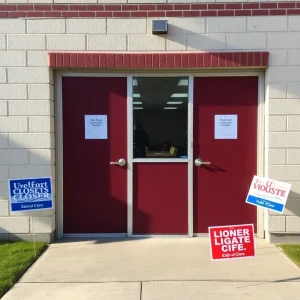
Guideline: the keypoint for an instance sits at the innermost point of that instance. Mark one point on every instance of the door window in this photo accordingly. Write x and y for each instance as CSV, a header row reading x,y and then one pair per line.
x,y
160,115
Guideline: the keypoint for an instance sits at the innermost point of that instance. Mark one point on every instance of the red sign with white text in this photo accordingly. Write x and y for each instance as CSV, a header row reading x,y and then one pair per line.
x,y
229,242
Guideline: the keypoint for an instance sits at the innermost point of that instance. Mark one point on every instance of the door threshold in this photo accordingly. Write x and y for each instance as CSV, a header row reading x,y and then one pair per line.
x,y
94,235
159,236
200,234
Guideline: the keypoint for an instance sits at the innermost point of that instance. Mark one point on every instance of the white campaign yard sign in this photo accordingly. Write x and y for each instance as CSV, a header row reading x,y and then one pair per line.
x,y
268,193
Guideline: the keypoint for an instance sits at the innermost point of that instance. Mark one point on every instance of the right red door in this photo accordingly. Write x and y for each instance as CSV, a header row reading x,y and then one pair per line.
x,y
221,187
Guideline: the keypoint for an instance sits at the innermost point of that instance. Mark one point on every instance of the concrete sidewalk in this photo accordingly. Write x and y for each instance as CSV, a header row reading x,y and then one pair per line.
x,y
156,269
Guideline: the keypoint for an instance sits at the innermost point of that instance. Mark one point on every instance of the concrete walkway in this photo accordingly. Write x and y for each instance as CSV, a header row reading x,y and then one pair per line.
x,y
156,269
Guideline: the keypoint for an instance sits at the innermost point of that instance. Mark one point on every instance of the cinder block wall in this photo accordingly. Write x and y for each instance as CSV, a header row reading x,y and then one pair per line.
x,y
27,146
27,138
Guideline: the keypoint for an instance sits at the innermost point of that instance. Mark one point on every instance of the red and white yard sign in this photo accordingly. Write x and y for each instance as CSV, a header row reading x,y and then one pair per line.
x,y
228,242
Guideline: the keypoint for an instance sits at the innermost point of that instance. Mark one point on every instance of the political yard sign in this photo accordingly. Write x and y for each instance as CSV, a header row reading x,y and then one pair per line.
x,y
268,193
30,194
231,242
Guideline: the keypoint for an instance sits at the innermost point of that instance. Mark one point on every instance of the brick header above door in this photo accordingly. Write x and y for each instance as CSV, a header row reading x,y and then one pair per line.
x,y
148,10
159,60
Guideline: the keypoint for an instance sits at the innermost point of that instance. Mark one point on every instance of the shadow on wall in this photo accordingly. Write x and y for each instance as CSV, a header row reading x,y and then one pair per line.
x,y
190,40
183,39
293,203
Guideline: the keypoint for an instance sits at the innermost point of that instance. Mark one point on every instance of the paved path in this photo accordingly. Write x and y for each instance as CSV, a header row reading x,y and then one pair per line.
x,y
156,269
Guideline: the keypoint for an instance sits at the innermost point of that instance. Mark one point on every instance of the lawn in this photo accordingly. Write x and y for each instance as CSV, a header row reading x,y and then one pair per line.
x,y
15,258
292,251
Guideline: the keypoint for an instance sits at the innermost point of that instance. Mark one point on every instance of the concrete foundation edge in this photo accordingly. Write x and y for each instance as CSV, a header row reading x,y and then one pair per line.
x,y
284,238
39,237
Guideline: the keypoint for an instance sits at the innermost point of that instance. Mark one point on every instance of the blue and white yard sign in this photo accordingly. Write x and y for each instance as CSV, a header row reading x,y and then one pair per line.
x,y
268,193
30,194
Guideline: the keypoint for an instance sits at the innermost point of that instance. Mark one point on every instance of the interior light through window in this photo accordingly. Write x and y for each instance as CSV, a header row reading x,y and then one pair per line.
x,y
183,82
174,102
179,95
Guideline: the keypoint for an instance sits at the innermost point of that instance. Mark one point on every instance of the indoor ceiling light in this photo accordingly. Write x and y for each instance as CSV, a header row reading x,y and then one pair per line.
x,y
183,82
174,102
137,102
170,107
134,82
138,107
179,95
136,95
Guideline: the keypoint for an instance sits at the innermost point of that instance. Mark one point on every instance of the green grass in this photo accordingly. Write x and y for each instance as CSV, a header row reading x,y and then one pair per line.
x,y
15,258
292,251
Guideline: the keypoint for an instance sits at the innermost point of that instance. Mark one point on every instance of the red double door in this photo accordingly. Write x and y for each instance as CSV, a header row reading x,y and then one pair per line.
x,y
95,191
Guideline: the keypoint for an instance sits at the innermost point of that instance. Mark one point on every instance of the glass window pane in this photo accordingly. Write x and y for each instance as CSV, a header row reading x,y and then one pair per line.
x,y
160,115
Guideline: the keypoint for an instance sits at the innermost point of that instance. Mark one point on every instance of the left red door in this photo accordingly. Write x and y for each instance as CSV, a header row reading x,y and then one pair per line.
x,y
94,191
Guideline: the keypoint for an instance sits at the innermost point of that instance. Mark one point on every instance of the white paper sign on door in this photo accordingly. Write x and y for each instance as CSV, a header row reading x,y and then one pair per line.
x,y
95,127
225,127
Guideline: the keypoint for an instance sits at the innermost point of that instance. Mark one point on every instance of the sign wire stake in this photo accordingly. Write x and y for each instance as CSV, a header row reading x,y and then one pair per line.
x,y
234,271
33,237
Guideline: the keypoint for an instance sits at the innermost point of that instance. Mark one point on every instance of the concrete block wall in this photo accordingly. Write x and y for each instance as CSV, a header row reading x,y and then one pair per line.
x,y
26,125
284,107
27,145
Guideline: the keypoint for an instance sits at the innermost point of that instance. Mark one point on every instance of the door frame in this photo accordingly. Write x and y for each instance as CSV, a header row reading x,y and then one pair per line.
x,y
262,163
131,161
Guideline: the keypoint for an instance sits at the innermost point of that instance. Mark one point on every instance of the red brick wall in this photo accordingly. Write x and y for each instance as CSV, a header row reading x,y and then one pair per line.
x,y
147,10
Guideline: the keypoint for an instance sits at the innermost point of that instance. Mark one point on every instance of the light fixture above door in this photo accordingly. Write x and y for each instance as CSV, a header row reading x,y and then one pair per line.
x,y
159,26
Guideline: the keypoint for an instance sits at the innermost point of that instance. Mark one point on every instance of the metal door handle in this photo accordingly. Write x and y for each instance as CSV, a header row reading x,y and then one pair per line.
x,y
121,162
199,162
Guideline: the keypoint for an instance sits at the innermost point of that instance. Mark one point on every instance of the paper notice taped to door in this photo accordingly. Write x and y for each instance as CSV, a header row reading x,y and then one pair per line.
x,y
95,127
226,127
